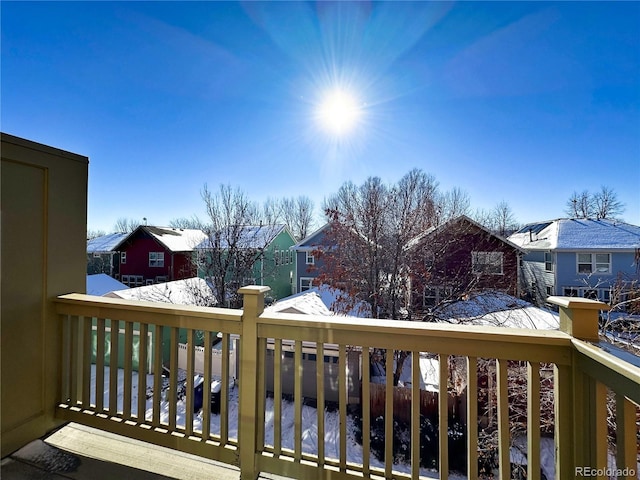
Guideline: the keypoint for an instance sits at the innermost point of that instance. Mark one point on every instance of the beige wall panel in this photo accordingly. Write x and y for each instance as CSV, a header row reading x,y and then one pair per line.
x,y
43,245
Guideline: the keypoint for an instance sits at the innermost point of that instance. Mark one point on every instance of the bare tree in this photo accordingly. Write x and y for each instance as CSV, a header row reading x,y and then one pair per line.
x,y
298,215
193,223
126,225
580,205
503,221
237,238
453,203
91,233
606,204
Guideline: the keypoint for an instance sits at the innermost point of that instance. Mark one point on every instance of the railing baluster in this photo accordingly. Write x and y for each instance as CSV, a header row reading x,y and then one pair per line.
x,y
533,420
626,439
113,367
600,423
76,359
86,361
65,386
157,375
388,414
224,390
443,416
320,367
100,356
277,397
173,379
503,420
142,371
472,418
415,415
342,403
206,388
189,401
128,368
366,411
262,393
297,399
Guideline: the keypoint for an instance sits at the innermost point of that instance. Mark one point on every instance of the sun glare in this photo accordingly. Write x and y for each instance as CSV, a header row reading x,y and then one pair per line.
x,y
339,112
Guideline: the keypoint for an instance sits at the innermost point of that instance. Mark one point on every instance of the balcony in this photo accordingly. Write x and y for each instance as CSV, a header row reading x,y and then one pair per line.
x,y
58,350
583,375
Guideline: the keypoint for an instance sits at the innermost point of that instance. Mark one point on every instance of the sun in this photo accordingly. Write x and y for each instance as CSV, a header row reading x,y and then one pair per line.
x,y
338,112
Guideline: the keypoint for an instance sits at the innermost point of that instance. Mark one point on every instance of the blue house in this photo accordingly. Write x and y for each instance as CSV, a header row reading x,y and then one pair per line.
x,y
579,257
307,265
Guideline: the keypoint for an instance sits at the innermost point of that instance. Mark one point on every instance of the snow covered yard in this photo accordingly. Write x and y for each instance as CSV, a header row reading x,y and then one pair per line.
x,y
309,422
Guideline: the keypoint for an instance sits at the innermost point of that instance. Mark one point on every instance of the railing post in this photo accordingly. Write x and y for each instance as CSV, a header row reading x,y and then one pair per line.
x,y
253,306
578,397
579,316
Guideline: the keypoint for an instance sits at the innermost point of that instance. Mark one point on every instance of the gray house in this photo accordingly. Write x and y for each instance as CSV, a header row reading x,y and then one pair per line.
x,y
102,256
307,265
596,259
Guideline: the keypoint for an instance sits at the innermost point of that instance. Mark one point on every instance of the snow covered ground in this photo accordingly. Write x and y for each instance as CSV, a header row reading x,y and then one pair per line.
x,y
309,423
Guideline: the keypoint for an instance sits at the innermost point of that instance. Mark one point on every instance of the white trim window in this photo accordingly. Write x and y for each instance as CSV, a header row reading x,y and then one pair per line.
x,y
490,263
587,263
310,259
156,259
305,283
123,257
548,261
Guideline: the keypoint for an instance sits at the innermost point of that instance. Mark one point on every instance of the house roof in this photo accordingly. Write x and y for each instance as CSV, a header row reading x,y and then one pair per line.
x,y
308,302
310,242
105,243
189,291
101,283
578,234
173,239
499,310
250,236
448,224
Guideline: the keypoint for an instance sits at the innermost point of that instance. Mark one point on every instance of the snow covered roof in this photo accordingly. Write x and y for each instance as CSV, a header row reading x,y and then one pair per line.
x,y
308,302
250,236
578,234
105,243
176,239
189,291
101,283
419,239
497,309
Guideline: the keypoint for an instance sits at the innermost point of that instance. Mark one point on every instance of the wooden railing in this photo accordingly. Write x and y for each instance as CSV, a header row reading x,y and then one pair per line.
x,y
249,430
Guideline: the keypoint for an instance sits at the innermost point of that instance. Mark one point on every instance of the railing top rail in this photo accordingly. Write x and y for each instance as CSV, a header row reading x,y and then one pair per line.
x,y
63,302
424,329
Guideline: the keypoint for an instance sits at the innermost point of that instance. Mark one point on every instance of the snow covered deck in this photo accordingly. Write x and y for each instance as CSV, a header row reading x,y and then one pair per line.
x,y
258,433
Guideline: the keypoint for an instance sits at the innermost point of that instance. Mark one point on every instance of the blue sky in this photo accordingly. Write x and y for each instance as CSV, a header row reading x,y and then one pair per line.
x,y
515,101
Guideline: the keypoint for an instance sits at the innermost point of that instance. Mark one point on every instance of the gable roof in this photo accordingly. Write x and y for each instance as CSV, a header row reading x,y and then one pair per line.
x,y
189,291
251,236
450,223
101,283
105,243
578,234
308,302
310,242
173,239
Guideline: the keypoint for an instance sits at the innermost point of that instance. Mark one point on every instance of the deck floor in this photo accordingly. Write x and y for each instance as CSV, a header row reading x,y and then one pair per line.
x,y
83,453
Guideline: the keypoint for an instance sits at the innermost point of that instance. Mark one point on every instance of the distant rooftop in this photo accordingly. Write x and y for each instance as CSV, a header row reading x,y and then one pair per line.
x,y
105,243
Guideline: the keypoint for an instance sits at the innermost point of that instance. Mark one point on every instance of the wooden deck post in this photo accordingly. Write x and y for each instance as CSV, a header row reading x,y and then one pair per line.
x,y
580,400
253,306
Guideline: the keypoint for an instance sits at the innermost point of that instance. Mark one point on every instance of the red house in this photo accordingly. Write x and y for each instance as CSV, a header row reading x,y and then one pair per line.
x,y
459,257
157,254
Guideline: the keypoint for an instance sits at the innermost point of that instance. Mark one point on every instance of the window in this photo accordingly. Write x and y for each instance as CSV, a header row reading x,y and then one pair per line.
x,y
305,284
133,280
594,263
277,258
548,261
310,260
123,257
156,259
591,294
549,291
487,263
570,292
